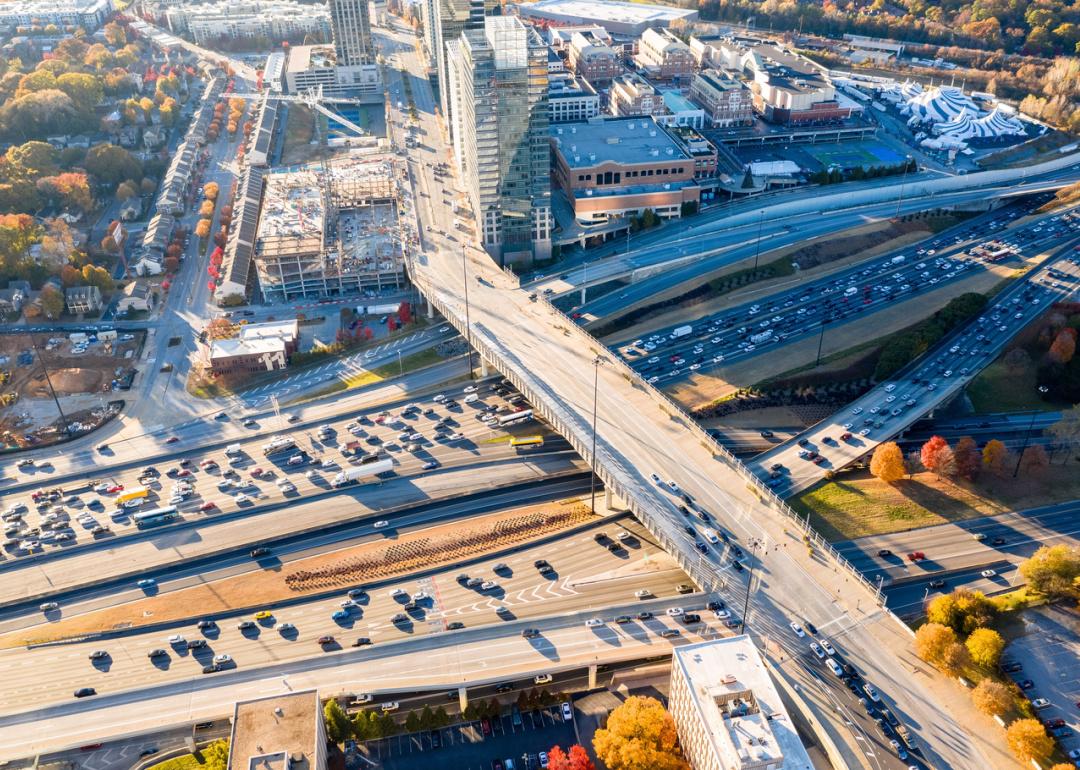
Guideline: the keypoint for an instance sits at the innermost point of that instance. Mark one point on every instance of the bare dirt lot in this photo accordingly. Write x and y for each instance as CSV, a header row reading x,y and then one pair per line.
x,y
29,380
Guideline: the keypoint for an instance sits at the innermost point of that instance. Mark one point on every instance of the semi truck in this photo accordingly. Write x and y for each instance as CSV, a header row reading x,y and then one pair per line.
x,y
681,331
358,473
279,444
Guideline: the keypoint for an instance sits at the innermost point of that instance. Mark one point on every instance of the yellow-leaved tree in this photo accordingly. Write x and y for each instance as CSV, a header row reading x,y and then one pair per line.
x,y
640,735
888,462
1028,740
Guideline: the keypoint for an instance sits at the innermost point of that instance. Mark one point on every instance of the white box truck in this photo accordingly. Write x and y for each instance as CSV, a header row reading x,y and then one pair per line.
x,y
681,331
358,473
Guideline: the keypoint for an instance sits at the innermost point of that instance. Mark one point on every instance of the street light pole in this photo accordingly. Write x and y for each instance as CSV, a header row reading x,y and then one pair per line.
x,y
468,324
596,389
750,581
757,244
820,342
900,197
1027,438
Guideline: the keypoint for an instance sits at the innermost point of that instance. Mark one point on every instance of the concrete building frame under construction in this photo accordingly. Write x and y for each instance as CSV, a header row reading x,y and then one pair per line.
x,y
330,232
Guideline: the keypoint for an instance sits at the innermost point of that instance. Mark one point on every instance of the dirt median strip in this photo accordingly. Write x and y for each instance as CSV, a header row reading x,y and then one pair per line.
x,y
352,566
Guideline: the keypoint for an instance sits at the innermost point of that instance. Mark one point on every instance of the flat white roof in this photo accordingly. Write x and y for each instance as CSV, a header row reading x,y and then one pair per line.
x,y
237,347
739,705
270,330
626,13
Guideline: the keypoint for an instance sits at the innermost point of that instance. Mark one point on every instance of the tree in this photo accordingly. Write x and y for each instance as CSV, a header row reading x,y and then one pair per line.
x,y
112,165
412,723
1067,429
35,157
963,610
937,456
338,726
1034,460
404,312
70,276
171,264
967,458
97,276
888,462
52,302
210,190
202,229
1017,361
126,190
69,189
206,209
932,640
1028,740
574,759
640,735
994,455
220,328
985,646
956,659
365,726
991,697
85,90
1064,346
216,755
1053,570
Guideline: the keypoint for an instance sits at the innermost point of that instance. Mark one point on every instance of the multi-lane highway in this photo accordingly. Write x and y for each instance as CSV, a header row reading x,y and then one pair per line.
x,y
893,405
849,296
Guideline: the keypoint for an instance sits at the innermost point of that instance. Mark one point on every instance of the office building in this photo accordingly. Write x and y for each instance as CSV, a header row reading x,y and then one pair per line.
x,y
258,348
278,732
571,99
624,19
592,58
311,66
623,166
632,96
499,96
452,18
726,101
664,57
351,24
727,711
680,111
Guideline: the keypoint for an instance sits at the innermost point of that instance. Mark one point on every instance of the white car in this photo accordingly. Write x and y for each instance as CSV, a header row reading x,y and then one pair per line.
x,y
380,524
439,398
567,712
177,639
398,592
988,573
593,623
488,585
222,658
675,612
470,389
673,486
543,758
871,692
828,647
721,614
797,629
655,479
241,498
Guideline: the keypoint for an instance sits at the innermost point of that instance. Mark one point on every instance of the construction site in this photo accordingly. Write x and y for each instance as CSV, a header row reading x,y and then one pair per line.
x,y
330,228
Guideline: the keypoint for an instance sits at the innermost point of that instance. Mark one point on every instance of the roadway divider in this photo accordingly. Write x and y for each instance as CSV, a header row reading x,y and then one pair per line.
x,y
296,535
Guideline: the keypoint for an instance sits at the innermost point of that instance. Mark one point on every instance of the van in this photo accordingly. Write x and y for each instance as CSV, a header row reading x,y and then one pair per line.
x,y
472,398
233,449
391,706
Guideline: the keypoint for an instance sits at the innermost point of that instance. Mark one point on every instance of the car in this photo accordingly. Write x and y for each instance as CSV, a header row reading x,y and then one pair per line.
x,y
825,645
939,583
222,658
834,667
203,625
816,649
593,623
208,506
177,639
196,644
988,573
1011,667
916,556
1050,724
325,640
454,625
797,629
382,523
99,655
263,615
1040,703
684,588
48,606
871,692
884,552
157,652
1025,684
244,625
542,758
674,612
85,692
567,712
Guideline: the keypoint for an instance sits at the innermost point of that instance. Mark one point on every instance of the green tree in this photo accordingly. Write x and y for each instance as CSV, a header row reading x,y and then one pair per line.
x,y
338,726
365,726
35,157
1053,570
985,646
413,723
427,718
387,725
112,165
97,276
441,718
86,91
640,735
52,302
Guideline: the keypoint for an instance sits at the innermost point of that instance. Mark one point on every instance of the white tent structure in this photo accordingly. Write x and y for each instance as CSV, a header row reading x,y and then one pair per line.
x,y
1001,123
939,104
991,126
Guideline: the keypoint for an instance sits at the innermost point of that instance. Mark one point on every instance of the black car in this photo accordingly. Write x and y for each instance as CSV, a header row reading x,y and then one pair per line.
x,y
884,552
690,617
542,565
259,552
85,692
689,529
157,653
644,615
937,583
210,669
622,619
504,687
435,741
196,644
202,625
530,633
766,434
736,565
357,593
1012,667
454,625
362,641
715,605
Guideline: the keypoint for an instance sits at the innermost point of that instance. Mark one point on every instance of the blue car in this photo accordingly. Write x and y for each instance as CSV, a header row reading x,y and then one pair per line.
x,y
340,615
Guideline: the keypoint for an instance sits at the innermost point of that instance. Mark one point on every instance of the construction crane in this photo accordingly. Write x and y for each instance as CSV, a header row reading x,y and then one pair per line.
x,y
315,99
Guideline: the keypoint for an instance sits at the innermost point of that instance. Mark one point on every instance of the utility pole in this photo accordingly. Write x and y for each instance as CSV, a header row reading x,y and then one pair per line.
x,y
468,325
820,342
749,582
757,245
900,197
1027,438
596,387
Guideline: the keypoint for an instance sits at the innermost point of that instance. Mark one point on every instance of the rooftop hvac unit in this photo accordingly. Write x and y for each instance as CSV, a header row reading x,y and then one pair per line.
x,y
573,129
670,151
630,126
592,156
652,133
654,152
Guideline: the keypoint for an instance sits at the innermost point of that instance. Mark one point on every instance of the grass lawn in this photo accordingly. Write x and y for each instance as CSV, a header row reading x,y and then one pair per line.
x,y
996,389
409,363
856,504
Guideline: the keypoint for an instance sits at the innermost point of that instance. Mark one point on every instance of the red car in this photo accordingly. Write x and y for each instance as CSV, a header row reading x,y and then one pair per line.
x,y
485,726
114,489
208,464
207,506
1052,723
916,556
257,472
325,640
819,460
171,440
845,437
183,473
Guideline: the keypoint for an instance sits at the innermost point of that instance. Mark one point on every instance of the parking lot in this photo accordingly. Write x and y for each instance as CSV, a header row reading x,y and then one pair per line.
x,y
474,746
1049,652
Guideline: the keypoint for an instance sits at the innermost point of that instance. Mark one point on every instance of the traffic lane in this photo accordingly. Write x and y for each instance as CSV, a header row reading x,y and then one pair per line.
x,y
1016,534
372,437
909,598
48,675
290,549
935,372
157,548
491,656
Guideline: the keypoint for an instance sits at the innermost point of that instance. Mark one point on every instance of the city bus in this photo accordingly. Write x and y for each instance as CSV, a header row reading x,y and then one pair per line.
x,y
513,418
135,493
156,516
525,442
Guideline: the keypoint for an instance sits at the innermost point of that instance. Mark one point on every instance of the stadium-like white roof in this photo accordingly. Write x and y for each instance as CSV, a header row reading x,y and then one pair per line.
x,y
939,104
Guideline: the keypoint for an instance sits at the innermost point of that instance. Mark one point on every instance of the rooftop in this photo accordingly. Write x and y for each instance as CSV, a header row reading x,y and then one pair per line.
x,y
738,704
619,140
305,57
271,330
245,347
676,102
624,13
271,733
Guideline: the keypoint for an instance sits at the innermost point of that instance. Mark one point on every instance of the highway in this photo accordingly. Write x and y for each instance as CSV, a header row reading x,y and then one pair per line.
x,y
849,296
935,377
639,433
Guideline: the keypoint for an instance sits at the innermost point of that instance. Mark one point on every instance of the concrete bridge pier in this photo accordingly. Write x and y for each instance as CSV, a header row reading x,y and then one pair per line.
x,y
463,697
592,676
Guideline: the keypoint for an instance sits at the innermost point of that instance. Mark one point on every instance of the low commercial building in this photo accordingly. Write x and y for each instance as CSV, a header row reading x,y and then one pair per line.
x,y
633,96
727,101
624,19
274,20
571,99
311,66
664,56
559,37
137,296
727,710
278,732
623,166
593,59
83,299
680,111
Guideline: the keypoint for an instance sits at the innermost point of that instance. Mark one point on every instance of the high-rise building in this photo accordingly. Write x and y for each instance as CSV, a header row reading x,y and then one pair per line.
x,y
498,97
351,24
452,17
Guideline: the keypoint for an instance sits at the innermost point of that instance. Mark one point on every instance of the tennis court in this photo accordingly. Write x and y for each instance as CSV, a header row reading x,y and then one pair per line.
x,y
852,154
